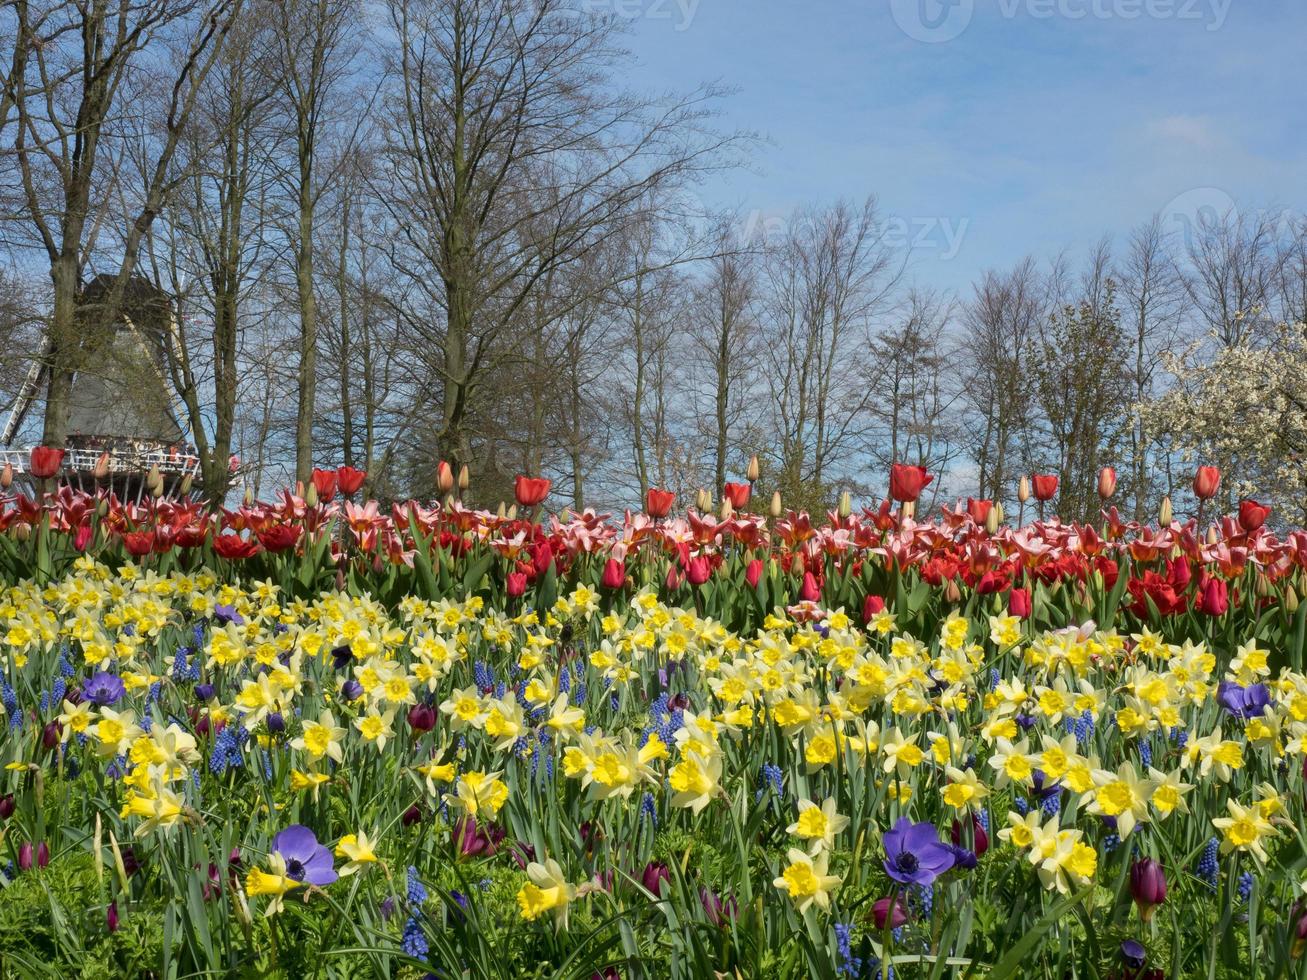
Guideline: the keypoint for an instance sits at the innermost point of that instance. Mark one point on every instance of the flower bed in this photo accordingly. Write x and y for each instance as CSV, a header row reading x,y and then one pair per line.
x,y
299,737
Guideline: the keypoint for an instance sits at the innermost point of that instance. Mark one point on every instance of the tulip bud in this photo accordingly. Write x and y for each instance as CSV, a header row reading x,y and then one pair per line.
x,y
444,478
158,489
703,501
187,481
727,510
101,467
22,530
882,916
993,518
776,509
299,488
26,855
501,511
7,476
249,497
1106,482
952,593
846,504
464,479
7,806
753,573
512,512
1262,586
50,735
422,717
1147,886
908,510
155,479
753,471
42,854
311,496
411,816
1212,535
1023,489
1290,600
872,606
1164,515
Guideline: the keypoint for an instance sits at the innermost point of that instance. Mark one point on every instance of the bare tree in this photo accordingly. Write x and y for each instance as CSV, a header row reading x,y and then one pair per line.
x,y
72,63
513,151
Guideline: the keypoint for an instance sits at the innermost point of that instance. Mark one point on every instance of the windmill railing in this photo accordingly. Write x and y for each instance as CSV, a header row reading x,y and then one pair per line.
x,y
117,461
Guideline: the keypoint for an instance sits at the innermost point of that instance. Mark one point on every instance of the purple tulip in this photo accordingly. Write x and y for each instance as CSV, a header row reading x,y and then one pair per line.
x,y
653,876
342,657
523,854
204,692
880,912
719,912
7,806
50,735
42,854
351,690
25,854
103,689
113,917
276,723
411,816
306,859
914,854
1147,886
477,840
421,718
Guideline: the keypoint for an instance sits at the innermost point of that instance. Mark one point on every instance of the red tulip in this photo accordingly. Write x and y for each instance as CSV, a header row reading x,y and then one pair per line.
x,y
675,578
1252,515
348,480
1106,482
234,547
1207,481
1045,485
978,510
809,591
614,576
1215,597
979,839
138,543
906,482
1179,574
872,606
753,573
658,503
697,570
324,482
516,584
82,537
737,494
531,491
1018,603
45,462
280,537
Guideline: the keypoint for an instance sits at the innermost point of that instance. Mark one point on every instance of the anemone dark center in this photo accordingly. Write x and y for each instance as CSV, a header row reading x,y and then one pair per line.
x,y
906,862
295,870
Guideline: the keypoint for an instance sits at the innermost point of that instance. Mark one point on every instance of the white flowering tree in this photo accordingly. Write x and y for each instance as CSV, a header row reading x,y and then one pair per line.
x,y
1244,409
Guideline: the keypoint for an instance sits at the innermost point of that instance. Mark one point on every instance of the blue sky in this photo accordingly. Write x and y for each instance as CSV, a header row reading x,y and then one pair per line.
x,y
1024,127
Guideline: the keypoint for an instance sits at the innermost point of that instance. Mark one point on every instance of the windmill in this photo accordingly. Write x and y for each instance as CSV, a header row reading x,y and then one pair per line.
x,y
123,418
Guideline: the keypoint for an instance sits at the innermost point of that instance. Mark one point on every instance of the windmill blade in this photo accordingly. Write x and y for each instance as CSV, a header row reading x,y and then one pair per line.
x,y
26,394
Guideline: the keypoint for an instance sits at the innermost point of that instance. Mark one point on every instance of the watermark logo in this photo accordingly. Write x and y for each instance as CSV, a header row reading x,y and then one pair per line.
x,y
932,21
936,21
679,13
1187,215
919,235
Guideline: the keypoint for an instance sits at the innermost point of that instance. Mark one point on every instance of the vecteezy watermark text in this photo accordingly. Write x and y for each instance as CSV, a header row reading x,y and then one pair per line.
x,y
935,21
680,13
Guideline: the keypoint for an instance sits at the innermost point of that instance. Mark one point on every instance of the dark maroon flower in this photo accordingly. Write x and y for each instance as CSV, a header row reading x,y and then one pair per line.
x,y
1147,886
421,717
653,876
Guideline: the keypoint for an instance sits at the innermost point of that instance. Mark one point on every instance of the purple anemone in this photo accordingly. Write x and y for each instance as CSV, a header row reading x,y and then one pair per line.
x,y
104,689
306,859
914,854
1243,702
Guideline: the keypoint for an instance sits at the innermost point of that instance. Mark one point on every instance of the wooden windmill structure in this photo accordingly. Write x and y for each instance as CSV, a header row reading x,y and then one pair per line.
x,y
123,419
